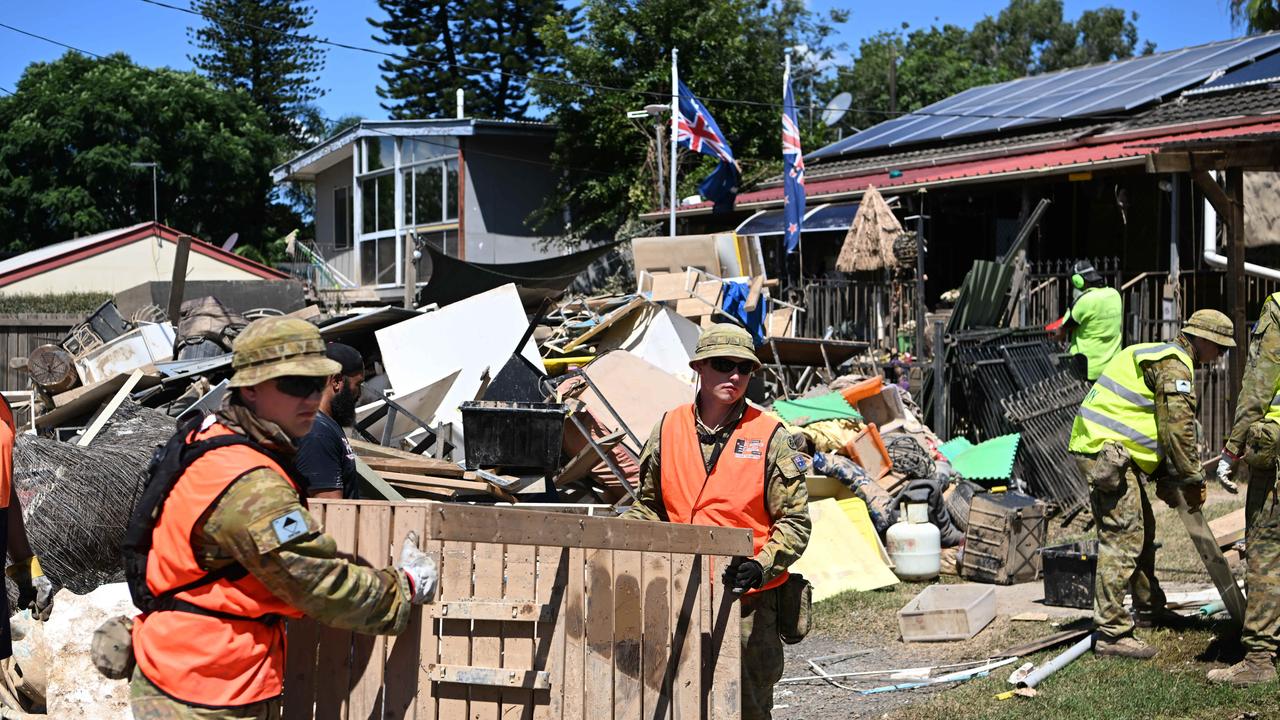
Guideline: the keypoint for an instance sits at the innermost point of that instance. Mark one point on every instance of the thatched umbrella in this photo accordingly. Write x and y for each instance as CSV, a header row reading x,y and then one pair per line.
x,y
869,244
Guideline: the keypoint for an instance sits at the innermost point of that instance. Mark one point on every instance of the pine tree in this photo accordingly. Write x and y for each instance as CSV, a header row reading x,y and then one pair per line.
x,y
443,45
260,46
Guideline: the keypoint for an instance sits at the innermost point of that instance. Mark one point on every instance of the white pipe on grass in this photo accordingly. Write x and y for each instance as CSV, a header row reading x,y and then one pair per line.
x,y
1070,654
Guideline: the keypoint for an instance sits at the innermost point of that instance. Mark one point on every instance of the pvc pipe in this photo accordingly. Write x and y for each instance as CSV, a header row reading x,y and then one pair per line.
x,y
1070,654
1213,259
1213,608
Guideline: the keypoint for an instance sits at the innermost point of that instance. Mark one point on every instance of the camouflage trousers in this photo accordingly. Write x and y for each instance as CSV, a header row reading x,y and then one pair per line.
x,y
761,654
1261,631
1126,544
149,702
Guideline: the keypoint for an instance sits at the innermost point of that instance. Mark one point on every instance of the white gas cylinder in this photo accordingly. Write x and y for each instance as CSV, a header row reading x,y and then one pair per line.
x,y
915,545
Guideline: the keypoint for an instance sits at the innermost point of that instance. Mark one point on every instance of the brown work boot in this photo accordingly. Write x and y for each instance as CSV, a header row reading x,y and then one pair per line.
x,y
1127,646
1256,667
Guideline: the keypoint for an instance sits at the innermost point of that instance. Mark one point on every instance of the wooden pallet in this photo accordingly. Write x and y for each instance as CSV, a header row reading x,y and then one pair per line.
x,y
538,615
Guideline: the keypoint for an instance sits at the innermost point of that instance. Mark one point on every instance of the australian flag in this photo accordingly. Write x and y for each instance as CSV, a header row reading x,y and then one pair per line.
x,y
698,131
792,169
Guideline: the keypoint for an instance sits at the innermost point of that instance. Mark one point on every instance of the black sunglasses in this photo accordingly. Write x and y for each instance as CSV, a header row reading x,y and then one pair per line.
x,y
300,386
724,365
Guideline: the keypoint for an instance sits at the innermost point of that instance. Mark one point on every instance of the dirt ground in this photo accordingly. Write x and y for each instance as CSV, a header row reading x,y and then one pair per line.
x,y
858,632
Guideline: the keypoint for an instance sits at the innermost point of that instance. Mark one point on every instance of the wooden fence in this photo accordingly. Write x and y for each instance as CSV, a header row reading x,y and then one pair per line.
x,y
538,615
20,334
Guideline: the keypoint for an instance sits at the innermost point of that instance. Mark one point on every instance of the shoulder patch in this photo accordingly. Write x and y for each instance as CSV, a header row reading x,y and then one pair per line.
x,y
289,526
1182,386
801,462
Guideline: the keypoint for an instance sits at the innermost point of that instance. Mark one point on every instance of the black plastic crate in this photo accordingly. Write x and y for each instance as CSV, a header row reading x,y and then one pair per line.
x,y
516,435
1068,574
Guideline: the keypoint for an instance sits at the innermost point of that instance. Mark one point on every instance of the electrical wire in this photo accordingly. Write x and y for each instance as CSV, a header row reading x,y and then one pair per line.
x,y
595,86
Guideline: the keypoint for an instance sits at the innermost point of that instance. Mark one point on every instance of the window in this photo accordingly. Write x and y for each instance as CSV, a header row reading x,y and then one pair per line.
x,y
379,153
342,201
446,241
427,206
413,150
378,262
451,190
378,195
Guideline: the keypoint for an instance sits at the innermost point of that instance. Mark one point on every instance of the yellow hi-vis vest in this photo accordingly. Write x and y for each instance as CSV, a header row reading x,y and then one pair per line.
x,y
1273,411
1121,408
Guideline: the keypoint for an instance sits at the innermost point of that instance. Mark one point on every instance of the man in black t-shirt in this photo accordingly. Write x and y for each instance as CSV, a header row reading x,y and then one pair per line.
x,y
325,458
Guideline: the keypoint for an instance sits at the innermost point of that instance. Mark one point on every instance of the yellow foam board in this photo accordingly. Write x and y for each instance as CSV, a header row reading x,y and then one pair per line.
x,y
839,557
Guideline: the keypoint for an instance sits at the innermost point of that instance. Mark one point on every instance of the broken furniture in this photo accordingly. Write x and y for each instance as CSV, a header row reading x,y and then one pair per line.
x,y
792,365
947,612
509,629
1005,534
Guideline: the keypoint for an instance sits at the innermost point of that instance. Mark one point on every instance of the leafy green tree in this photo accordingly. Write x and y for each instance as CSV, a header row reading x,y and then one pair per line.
x,y
260,46
69,133
1256,16
1032,36
728,50
441,43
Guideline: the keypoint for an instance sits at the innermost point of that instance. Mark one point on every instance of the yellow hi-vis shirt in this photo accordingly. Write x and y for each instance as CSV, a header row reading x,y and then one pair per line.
x,y
1121,408
1099,317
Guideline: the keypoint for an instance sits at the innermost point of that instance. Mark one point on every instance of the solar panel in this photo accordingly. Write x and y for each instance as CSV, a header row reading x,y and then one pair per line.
x,y
1114,87
1266,70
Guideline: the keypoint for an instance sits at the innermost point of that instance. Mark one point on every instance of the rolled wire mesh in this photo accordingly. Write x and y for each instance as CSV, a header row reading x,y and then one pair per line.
x,y
76,501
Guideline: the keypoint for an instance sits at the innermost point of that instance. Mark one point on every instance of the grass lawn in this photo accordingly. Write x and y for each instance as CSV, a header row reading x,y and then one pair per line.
x,y
1173,685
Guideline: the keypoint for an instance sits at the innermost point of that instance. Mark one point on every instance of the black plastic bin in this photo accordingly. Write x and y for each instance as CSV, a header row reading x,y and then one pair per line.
x,y
1068,574
516,435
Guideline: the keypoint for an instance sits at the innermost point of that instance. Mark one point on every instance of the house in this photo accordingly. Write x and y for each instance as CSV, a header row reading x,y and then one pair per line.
x,y
975,165
466,186
115,260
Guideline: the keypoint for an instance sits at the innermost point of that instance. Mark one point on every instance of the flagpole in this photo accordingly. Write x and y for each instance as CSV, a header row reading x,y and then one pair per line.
x,y
675,120
786,78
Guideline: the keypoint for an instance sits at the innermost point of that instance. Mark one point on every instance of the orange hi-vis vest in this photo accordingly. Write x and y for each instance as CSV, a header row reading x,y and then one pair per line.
x,y
733,493
8,435
230,660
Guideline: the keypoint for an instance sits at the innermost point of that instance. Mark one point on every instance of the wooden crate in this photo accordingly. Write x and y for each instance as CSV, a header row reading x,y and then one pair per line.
x,y
538,615
1005,534
947,612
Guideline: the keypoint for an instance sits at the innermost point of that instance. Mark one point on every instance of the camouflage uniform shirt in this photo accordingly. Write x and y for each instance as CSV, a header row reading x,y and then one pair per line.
x,y
786,495
1176,414
1260,376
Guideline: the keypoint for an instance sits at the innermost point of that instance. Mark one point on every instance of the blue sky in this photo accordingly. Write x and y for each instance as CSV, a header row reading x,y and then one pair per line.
x,y
156,36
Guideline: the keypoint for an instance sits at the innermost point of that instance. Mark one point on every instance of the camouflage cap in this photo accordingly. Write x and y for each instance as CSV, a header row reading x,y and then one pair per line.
x,y
1212,325
274,347
725,340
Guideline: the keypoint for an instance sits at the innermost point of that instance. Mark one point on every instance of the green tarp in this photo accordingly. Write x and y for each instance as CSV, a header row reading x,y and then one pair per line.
x,y
991,460
815,409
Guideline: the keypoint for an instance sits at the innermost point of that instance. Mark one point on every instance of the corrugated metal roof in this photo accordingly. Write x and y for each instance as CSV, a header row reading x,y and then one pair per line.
x,y
39,255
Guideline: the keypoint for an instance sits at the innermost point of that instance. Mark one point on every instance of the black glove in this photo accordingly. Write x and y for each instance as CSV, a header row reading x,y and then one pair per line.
x,y
744,575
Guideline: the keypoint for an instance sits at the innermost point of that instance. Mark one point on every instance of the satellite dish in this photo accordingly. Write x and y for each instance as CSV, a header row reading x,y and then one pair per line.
x,y
836,109
231,241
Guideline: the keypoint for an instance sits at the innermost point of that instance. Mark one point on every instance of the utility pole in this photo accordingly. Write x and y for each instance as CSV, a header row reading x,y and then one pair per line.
x,y
155,204
893,78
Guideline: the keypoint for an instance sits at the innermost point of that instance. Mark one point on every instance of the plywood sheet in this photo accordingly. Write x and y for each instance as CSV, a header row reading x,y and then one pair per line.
x,y
471,336
674,254
838,557
638,390
422,402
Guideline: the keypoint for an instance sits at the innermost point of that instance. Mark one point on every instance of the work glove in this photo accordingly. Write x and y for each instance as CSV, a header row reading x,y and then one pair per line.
x,y
1168,492
1225,464
743,575
1195,494
420,568
35,592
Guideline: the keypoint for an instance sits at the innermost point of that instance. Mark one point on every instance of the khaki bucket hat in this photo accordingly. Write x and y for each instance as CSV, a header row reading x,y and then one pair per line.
x,y
725,340
1212,325
274,347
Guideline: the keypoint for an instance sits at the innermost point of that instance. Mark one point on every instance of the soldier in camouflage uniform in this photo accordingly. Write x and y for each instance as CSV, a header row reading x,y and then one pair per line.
x,y
1253,438
280,371
730,435
1137,423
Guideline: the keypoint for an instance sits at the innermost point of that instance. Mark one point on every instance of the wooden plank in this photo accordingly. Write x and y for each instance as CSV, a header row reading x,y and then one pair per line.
x,y
628,620
517,637
726,647
686,644
656,584
486,635
488,678
1043,643
403,651
1211,555
705,603
753,294
553,583
398,478
334,653
178,281
587,458
455,635
1228,529
303,638
429,639
606,322
598,675
418,466
575,646
376,482
373,548
513,610
104,415
476,523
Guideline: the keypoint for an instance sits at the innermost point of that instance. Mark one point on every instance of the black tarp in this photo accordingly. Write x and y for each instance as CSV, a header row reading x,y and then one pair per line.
x,y
453,279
